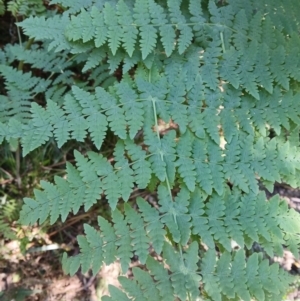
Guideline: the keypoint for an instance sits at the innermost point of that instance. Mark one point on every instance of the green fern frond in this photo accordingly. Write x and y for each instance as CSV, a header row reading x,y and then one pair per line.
x,y
2,7
22,86
9,211
32,26
74,6
221,275
26,8
201,99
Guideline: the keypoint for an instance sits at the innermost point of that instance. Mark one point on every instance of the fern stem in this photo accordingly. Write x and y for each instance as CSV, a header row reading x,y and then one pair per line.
x,y
19,34
158,137
28,45
166,175
155,117
18,166
222,40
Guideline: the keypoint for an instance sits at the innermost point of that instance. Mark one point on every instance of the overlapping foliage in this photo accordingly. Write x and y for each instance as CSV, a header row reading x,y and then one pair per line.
x,y
222,79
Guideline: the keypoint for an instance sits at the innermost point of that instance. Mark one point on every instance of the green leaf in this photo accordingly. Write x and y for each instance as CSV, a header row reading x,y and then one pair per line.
x,y
97,125
239,277
130,31
134,111
184,277
185,38
186,166
96,245
154,226
100,33
148,35
138,234
175,213
124,251
132,288
146,283
140,165
40,132
199,221
225,277
115,32
210,279
161,275
113,111
109,240
115,295
168,36
255,287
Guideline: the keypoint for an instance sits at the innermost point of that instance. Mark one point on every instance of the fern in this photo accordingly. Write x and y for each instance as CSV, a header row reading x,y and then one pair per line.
x,y
74,7
2,7
21,86
26,8
8,214
201,99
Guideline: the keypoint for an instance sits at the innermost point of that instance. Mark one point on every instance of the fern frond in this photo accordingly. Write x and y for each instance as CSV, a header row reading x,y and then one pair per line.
x,y
2,7
202,101
174,213
186,33
51,30
185,164
147,31
115,295
209,70
228,70
248,78
195,117
22,86
153,225
42,132
184,278
166,30
241,27
262,70
39,58
140,165
130,33
73,6
268,34
114,112
160,274
250,271
277,69
139,240
25,8
7,216
133,108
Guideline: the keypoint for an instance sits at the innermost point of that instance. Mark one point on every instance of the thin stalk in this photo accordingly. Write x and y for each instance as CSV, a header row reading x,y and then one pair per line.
x,y
162,158
28,45
222,40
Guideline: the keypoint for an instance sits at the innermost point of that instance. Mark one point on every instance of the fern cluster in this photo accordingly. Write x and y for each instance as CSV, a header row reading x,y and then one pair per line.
x,y
22,7
7,217
227,75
